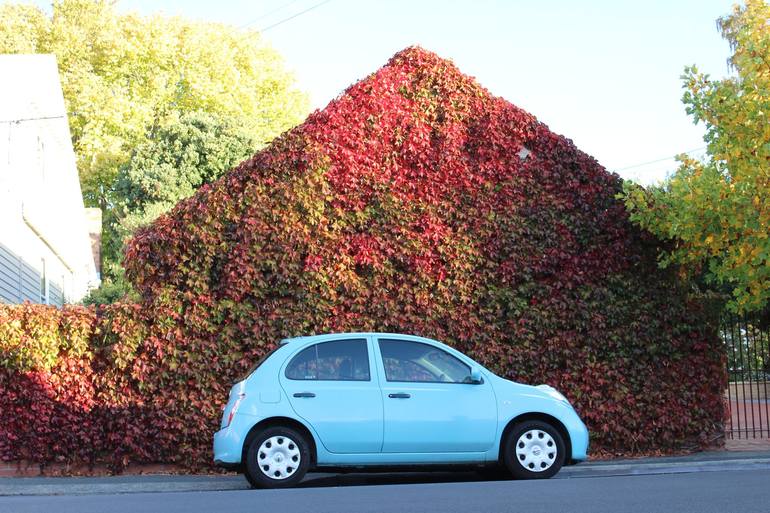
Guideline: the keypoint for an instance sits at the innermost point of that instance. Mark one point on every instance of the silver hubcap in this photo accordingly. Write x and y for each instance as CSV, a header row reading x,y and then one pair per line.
x,y
536,450
278,457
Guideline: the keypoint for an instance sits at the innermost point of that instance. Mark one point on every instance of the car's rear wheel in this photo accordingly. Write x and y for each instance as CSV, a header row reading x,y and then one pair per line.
x,y
278,457
534,450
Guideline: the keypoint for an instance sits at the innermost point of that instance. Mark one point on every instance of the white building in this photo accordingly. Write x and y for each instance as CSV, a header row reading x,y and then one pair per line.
x,y
45,246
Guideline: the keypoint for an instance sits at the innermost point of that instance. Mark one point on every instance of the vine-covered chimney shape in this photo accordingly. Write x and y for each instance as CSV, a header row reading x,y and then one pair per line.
x,y
418,202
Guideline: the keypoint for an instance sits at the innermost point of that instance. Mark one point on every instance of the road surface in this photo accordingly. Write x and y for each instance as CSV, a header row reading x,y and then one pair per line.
x,y
701,492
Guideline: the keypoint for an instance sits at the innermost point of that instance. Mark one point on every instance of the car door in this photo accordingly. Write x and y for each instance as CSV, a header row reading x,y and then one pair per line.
x,y
429,403
333,386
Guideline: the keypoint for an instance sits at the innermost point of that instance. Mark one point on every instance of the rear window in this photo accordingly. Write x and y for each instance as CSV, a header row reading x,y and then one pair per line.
x,y
259,362
338,360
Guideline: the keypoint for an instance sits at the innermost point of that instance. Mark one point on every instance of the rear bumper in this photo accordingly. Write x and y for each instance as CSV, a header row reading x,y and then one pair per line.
x,y
235,467
228,447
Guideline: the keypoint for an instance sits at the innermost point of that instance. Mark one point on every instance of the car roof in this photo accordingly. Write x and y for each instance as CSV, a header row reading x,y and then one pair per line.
x,y
300,342
337,336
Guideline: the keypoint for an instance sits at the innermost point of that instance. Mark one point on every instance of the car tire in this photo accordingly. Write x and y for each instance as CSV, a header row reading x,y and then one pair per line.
x,y
278,457
534,450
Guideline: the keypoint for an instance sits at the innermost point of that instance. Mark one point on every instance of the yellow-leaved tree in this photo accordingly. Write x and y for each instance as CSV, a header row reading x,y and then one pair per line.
x,y
716,211
123,74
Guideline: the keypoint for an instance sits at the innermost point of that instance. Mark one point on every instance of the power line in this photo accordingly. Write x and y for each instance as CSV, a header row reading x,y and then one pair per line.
x,y
294,16
43,118
268,14
658,160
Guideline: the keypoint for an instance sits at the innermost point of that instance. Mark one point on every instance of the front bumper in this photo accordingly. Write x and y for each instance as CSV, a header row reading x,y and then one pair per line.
x,y
579,439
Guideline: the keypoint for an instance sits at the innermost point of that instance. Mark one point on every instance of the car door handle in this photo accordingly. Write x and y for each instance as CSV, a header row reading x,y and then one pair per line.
x,y
304,394
399,396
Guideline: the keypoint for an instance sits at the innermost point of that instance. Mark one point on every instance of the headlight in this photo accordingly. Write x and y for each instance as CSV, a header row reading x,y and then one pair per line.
x,y
557,395
553,393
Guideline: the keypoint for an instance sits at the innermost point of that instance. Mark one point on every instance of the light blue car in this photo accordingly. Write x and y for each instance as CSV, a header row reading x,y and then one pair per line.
x,y
384,400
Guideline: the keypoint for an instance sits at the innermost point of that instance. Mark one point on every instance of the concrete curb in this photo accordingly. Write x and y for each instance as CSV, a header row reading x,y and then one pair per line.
x,y
679,467
113,485
174,483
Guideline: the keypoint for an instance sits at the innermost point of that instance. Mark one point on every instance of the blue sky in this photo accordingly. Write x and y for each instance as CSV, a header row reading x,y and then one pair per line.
x,y
603,73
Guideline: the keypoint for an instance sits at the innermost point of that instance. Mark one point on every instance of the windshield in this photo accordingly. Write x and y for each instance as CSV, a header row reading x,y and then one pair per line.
x,y
259,362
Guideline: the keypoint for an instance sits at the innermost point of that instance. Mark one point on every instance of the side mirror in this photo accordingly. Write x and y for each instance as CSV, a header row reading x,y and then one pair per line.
x,y
476,378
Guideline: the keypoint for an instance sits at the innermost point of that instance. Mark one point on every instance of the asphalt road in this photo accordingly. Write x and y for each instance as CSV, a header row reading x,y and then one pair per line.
x,y
702,492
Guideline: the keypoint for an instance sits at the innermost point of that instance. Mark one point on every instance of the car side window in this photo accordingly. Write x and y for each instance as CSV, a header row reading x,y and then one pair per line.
x,y
421,363
338,360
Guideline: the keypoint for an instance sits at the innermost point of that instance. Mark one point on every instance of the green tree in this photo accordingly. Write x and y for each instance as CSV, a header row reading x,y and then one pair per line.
x,y
716,211
171,164
128,80
123,73
175,160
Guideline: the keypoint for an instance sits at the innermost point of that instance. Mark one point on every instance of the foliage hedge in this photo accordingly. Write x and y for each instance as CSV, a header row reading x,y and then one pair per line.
x,y
416,202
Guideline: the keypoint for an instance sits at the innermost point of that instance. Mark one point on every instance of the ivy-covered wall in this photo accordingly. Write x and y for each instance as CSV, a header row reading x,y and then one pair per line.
x,y
416,202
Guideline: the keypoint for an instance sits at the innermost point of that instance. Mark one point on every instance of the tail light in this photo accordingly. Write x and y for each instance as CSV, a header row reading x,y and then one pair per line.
x,y
234,409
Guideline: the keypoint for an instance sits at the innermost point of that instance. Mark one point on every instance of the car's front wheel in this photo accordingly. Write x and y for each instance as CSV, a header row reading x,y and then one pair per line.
x,y
534,450
278,457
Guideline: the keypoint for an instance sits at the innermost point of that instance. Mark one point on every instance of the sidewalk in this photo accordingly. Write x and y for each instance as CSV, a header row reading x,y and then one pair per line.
x,y
710,461
700,462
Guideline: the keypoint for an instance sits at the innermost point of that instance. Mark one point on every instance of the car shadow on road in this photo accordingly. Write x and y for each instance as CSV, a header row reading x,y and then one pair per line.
x,y
371,479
